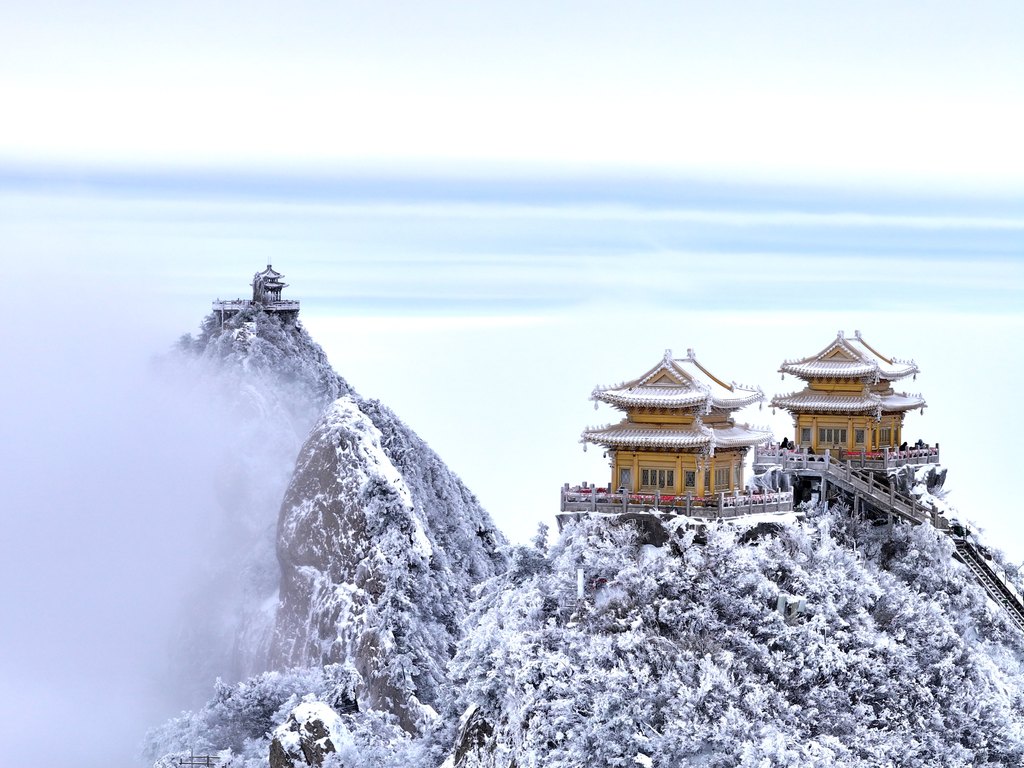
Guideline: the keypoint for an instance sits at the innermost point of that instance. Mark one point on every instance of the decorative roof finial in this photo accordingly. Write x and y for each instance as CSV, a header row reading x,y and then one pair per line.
x,y
840,335
668,356
689,353
857,334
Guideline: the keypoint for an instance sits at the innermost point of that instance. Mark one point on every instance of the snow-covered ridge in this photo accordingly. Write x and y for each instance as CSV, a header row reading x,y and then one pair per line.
x,y
344,417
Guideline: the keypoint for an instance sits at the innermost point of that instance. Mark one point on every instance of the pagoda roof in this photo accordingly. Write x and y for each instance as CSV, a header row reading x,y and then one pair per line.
x,y
627,434
849,359
678,383
811,401
270,274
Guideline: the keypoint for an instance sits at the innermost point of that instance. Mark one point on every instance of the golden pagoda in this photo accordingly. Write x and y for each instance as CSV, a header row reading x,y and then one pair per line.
x,y
678,436
849,403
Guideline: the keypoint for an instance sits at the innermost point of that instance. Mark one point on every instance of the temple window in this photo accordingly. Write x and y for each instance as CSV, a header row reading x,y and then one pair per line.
x,y
831,435
657,478
690,477
858,436
721,477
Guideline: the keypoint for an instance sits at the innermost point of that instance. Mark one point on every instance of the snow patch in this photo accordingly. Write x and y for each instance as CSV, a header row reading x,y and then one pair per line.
x,y
300,722
345,414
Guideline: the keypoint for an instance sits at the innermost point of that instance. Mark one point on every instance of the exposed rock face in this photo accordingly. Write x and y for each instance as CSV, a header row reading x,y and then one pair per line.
x,y
379,546
474,741
311,732
918,479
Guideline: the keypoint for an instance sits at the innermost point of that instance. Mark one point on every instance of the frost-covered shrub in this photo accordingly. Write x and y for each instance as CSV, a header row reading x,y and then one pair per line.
x,y
239,722
680,657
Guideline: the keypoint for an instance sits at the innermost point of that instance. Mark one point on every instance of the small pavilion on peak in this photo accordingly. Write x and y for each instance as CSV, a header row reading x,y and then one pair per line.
x,y
266,293
678,435
267,286
848,403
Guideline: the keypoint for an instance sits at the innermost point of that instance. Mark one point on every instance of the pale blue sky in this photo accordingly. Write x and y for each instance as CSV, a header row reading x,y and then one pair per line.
x,y
892,92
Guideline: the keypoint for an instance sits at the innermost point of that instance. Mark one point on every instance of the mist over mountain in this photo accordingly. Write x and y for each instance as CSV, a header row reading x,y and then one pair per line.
x,y
273,381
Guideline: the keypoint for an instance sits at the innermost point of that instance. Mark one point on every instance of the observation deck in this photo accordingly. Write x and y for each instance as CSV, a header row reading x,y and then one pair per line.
x,y
237,305
266,293
580,500
880,461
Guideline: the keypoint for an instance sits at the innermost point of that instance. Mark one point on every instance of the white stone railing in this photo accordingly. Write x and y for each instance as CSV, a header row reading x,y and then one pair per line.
x,y
237,305
721,505
885,459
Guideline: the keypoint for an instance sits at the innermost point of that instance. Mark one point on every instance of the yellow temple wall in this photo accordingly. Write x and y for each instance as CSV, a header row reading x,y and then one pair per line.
x,y
845,386
874,431
707,480
647,417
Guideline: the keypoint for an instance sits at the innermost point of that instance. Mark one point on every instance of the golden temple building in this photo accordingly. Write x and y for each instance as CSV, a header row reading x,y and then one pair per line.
x,y
849,403
679,435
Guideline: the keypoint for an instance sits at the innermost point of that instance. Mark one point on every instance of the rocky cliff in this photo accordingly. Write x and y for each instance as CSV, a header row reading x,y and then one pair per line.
x,y
378,544
380,547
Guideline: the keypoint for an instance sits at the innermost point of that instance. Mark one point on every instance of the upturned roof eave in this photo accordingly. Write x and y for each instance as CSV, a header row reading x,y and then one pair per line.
x,y
614,436
621,399
898,403
805,370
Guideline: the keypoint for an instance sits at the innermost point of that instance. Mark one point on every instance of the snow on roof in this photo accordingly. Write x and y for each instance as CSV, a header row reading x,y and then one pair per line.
x,y
270,272
901,401
678,383
813,401
849,359
698,435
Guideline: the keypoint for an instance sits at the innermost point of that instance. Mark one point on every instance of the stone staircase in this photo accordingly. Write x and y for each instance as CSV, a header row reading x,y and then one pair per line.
x,y
862,485
990,577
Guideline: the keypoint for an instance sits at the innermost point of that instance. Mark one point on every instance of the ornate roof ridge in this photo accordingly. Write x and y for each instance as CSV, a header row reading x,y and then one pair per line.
x,y
862,363
692,387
